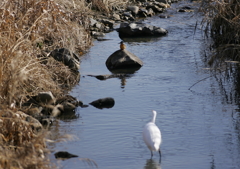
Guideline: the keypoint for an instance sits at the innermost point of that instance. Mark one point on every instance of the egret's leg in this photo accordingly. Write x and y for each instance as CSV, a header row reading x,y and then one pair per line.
x,y
160,155
151,154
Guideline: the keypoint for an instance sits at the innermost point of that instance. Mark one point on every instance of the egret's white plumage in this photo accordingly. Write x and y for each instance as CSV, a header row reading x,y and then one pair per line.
x,y
152,135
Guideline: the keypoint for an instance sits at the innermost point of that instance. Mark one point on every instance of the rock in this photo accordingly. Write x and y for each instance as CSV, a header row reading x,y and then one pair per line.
x,y
68,107
163,1
70,99
185,9
107,102
108,23
45,98
143,12
116,16
140,29
67,58
127,14
46,122
57,110
155,8
162,5
97,34
133,9
93,22
34,123
64,155
123,59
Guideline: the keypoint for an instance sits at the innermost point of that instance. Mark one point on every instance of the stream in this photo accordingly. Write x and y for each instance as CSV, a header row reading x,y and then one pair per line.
x,y
198,126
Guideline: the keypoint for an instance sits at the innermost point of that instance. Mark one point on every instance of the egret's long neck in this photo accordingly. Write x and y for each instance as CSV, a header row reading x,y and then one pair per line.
x,y
154,116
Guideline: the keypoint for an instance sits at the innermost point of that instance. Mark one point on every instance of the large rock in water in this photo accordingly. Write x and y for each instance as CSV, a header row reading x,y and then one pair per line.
x,y
123,59
140,29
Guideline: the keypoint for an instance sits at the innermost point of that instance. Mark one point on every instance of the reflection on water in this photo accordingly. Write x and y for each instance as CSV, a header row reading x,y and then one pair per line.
x,y
152,164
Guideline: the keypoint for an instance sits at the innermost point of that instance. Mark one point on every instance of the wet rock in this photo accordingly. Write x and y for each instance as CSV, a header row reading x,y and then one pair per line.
x,y
45,98
116,16
108,23
70,99
140,29
162,5
57,110
46,122
143,12
123,59
68,107
185,9
97,34
66,57
93,22
133,9
155,8
128,14
164,1
107,102
64,155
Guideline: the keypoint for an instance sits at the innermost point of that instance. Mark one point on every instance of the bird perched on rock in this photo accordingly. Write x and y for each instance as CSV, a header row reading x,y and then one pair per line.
x,y
122,46
152,135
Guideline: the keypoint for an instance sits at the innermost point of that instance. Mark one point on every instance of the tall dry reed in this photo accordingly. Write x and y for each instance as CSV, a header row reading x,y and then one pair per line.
x,y
222,24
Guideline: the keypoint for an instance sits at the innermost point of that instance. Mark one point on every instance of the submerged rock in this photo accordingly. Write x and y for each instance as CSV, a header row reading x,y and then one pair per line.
x,y
107,102
123,59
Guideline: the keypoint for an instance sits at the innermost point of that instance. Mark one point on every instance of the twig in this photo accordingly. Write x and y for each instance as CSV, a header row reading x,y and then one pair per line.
x,y
199,81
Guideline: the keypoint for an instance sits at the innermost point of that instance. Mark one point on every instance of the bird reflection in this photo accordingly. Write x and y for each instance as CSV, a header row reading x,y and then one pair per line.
x,y
151,164
123,82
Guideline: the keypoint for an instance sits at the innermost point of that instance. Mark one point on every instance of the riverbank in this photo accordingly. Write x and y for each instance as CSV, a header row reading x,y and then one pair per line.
x,y
34,81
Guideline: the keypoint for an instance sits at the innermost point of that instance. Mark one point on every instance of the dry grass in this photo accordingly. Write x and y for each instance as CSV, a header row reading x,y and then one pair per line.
x,y
222,24
21,145
26,29
29,28
106,6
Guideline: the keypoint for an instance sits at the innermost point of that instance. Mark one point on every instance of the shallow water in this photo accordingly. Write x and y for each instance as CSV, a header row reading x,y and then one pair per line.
x,y
198,126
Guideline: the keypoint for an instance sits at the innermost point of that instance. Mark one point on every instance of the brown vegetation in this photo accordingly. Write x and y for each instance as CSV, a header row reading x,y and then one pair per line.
x,y
222,23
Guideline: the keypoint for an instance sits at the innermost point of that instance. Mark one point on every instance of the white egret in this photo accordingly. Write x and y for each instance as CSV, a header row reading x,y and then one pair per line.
x,y
152,135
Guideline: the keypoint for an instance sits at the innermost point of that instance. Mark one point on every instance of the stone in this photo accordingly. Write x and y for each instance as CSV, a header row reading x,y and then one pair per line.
x,y
123,59
140,29
108,23
133,9
67,58
45,98
155,8
107,102
64,155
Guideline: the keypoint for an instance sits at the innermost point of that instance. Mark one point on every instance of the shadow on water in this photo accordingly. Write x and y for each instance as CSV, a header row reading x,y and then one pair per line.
x,y
152,164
